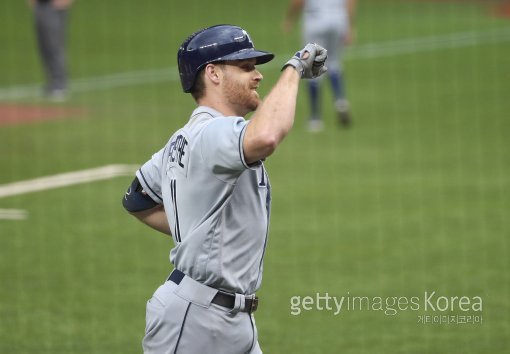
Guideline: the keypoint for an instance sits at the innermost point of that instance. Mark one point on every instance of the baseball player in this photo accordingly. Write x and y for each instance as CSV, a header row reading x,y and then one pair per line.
x,y
50,18
328,23
208,188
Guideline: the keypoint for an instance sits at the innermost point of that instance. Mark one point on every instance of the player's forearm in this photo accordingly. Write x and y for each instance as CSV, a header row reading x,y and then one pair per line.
x,y
273,119
154,218
275,116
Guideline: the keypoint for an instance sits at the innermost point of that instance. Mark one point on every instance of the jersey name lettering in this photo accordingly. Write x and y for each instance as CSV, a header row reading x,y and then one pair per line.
x,y
177,150
178,155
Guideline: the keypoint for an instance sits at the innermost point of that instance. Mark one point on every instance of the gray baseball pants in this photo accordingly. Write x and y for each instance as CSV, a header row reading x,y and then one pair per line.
x,y
50,26
182,319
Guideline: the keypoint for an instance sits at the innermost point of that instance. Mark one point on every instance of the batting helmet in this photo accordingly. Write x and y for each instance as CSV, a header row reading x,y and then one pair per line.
x,y
213,44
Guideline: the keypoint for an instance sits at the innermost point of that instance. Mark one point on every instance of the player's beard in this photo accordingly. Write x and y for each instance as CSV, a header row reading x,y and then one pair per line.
x,y
241,95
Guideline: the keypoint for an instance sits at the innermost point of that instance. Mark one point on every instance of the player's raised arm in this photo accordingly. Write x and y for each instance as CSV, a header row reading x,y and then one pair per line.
x,y
274,117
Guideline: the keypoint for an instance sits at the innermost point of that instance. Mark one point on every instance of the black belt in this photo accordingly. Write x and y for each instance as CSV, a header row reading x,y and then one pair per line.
x,y
221,298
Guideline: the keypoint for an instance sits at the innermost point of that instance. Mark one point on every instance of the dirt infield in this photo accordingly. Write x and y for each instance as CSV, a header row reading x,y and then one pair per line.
x,y
12,114
502,10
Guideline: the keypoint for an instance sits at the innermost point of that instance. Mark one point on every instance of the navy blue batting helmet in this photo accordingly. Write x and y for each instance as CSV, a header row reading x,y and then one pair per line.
x,y
213,44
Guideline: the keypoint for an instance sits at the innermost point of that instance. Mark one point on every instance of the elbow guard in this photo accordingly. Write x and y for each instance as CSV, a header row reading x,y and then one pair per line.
x,y
136,199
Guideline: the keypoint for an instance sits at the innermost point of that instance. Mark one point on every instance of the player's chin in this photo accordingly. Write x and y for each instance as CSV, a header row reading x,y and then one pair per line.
x,y
252,99
254,103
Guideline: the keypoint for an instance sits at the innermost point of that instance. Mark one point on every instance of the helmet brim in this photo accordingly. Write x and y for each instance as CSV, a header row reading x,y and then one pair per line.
x,y
261,56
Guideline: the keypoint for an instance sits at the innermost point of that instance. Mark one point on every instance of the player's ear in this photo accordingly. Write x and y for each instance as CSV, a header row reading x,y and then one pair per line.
x,y
213,73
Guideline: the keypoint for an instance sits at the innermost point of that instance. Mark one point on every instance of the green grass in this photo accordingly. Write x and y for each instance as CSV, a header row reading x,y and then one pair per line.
x,y
413,198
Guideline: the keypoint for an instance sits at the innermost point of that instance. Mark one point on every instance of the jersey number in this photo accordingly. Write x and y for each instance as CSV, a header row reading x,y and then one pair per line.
x,y
262,182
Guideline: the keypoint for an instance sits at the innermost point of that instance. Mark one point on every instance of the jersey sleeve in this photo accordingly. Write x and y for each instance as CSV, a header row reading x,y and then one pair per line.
x,y
222,145
149,176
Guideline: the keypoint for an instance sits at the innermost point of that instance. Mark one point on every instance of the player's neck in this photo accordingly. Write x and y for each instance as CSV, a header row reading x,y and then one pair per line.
x,y
218,104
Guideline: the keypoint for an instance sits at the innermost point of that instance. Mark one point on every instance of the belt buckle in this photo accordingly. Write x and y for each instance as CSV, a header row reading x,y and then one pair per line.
x,y
254,304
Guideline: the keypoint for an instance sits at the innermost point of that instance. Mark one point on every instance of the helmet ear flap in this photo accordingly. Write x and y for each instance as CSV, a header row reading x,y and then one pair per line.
x,y
213,44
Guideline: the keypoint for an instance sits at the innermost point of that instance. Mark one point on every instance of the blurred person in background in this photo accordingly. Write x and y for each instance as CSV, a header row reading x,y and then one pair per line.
x,y
50,18
328,23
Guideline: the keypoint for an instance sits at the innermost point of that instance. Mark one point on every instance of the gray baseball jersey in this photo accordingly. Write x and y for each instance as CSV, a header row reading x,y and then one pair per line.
x,y
330,12
217,206
325,22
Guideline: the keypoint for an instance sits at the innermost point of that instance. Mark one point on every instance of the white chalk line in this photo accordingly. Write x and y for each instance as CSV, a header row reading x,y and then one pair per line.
x,y
355,52
13,214
66,179
58,181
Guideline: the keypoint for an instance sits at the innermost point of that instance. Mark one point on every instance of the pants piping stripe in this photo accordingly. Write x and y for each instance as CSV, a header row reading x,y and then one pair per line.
x,y
182,327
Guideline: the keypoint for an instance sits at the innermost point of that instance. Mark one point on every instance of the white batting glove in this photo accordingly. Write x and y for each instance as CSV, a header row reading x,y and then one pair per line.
x,y
309,61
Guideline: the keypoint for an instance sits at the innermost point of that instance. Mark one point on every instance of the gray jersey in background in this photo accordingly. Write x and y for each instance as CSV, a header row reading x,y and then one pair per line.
x,y
217,206
326,22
